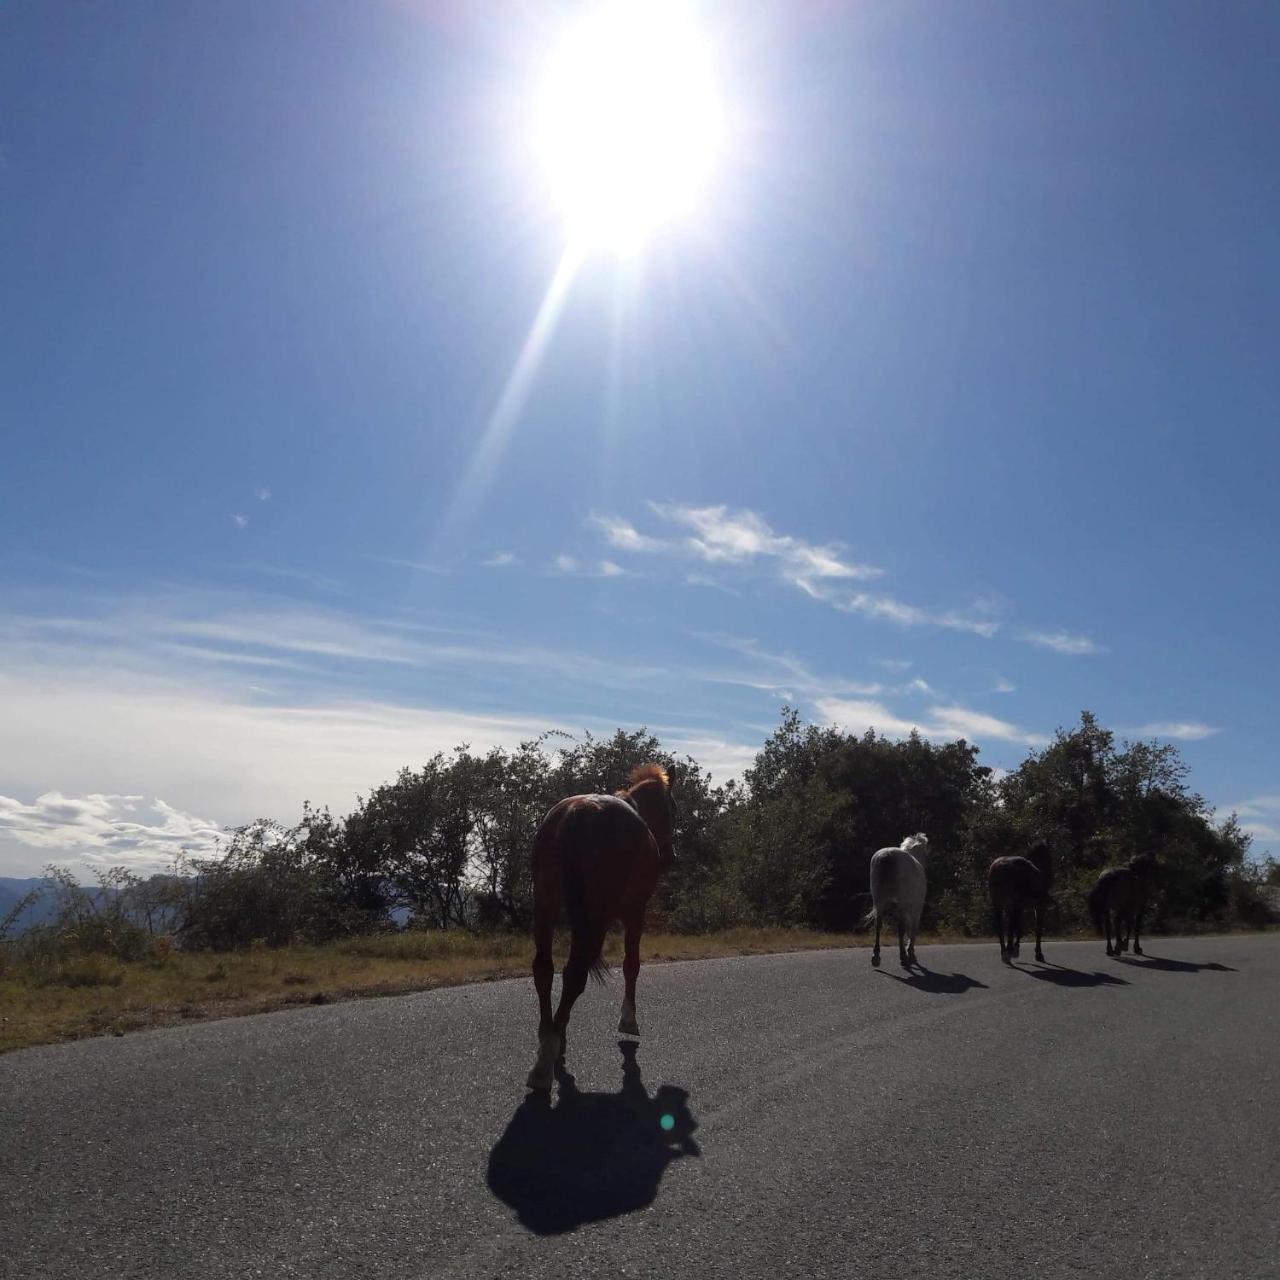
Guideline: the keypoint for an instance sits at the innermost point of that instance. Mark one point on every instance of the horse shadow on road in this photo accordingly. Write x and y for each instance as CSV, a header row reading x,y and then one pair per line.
x,y
945,984
1061,976
590,1156
1173,966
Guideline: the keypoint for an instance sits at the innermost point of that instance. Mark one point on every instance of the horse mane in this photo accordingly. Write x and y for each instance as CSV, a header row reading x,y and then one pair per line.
x,y
643,773
918,841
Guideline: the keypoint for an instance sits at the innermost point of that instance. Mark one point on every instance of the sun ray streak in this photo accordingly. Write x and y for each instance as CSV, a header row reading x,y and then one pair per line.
x,y
515,393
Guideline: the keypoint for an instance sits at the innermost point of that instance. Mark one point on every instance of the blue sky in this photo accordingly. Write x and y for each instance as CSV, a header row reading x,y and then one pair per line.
x,y
955,407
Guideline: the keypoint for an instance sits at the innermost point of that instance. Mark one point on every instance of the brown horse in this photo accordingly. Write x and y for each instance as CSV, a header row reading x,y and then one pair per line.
x,y
602,855
1016,883
1120,897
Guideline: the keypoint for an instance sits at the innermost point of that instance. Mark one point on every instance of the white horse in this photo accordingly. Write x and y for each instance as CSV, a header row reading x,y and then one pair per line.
x,y
897,880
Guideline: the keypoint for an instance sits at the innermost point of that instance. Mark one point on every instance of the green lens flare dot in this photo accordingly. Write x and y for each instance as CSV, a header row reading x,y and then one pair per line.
x,y
668,1122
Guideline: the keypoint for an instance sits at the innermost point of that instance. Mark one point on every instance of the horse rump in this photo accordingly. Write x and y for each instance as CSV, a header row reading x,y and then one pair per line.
x,y
588,926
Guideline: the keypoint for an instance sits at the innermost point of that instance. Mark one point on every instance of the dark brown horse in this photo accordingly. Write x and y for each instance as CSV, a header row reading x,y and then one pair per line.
x,y
1017,883
601,856
1120,897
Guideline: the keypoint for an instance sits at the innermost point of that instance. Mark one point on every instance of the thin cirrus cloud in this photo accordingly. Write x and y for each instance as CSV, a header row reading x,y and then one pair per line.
x,y
1062,642
240,520
790,676
571,566
719,537
939,723
1179,730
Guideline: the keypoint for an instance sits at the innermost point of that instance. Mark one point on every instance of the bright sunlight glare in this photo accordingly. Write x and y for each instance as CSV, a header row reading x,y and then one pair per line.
x,y
628,123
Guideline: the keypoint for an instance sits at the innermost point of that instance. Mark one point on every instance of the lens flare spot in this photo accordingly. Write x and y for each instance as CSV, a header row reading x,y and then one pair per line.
x,y
668,1122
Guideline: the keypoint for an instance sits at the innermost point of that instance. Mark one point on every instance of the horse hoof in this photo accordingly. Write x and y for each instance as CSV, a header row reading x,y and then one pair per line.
x,y
1138,951
1040,957
628,1026
539,1081
875,962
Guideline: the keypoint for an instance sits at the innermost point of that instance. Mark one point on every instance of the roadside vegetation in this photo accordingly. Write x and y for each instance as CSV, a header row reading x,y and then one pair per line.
x,y
425,883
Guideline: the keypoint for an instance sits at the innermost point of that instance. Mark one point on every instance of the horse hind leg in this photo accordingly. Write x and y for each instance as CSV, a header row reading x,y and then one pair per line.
x,y
1039,931
999,919
627,1024
582,955
550,1042
913,928
1015,931
875,950
902,933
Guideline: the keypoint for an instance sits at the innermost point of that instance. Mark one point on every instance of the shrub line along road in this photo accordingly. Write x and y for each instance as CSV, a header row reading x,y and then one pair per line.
x,y
784,1115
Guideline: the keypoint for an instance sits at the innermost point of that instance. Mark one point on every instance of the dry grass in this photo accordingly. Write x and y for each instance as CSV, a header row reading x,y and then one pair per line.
x,y
91,996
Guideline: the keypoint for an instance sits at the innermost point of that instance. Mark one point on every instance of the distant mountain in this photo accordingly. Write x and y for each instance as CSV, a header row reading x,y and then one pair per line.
x,y
13,890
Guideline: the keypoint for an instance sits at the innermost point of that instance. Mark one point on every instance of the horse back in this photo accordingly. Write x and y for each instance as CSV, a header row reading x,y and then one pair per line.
x,y
894,872
1122,888
602,837
1012,880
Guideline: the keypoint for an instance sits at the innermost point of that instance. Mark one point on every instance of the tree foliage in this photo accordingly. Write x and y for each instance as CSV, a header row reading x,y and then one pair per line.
x,y
447,844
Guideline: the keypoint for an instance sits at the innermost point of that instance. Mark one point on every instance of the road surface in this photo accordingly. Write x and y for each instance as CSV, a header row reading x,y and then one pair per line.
x,y
798,1115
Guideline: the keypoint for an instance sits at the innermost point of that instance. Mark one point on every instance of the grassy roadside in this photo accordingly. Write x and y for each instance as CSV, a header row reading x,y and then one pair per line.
x,y
92,996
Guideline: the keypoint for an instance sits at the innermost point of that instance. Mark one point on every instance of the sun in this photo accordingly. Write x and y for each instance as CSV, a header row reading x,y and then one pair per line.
x,y
628,124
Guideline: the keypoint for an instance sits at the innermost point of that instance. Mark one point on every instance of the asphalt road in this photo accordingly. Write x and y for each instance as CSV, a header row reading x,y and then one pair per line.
x,y
1107,1117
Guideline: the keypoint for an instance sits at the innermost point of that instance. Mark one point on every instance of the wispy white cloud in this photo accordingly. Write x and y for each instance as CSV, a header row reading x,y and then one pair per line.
x,y
1260,817
977,621
782,674
105,830
239,520
572,566
625,537
209,635
500,560
939,723
706,580
718,535
1062,642
1003,686
421,566
317,580
1180,730
262,493
741,539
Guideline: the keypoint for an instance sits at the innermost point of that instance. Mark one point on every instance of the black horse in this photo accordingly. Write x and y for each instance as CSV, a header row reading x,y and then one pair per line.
x,y
1016,883
1119,898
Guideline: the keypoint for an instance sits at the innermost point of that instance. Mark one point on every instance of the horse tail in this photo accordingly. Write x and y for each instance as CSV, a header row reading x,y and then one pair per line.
x,y
868,920
1097,900
585,930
